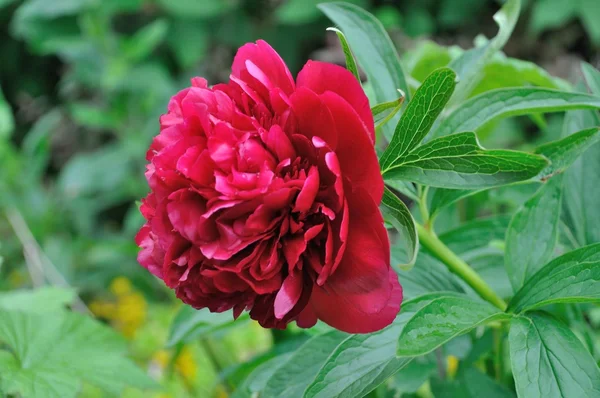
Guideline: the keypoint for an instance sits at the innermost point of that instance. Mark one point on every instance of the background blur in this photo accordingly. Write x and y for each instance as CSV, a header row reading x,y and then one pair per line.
x,y
82,85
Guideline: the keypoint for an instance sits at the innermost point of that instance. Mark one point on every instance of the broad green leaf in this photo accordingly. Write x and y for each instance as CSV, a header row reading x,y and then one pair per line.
x,y
427,276
532,233
441,198
363,361
350,62
406,188
469,66
257,380
399,216
570,278
7,122
479,244
495,104
52,354
419,116
548,360
373,50
42,300
504,72
470,383
458,161
592,77
293,377
190,324
441,320
582,183
562,153
411,377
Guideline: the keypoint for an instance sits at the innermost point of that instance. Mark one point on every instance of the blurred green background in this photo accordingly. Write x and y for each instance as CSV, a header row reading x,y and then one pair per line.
x,y
83,83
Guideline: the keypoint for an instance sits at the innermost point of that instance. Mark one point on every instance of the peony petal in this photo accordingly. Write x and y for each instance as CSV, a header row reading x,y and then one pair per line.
x,y
313,117
353,145
309,191
363,294
266,60
321,77
307,318
288,295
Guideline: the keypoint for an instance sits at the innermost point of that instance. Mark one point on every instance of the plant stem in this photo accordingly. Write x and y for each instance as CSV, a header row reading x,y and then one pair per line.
x,y
456,265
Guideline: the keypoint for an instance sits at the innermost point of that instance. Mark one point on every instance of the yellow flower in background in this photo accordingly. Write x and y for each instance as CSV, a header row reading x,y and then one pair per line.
x,y
451,365
127,313
186,365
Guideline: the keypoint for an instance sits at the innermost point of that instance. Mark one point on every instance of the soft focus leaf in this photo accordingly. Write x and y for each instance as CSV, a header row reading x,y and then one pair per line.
x,y
293,377
197,9
592,77
7,122
190,324
570,278
458,161
532,233
441,320
257,380
477,242
42,300
441,198
562,153
145,40
470,383
548,360
399,216
363,361
350,62
373,49
419,116
492,105
53,353
469,66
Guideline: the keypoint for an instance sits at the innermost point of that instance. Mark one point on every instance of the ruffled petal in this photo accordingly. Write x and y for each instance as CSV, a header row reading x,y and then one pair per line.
x,y
321,77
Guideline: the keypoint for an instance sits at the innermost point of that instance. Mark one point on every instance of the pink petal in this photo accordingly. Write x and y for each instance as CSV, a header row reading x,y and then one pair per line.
x,y
309,191
363,295
354,144
321,77
267,61
288,295
313,117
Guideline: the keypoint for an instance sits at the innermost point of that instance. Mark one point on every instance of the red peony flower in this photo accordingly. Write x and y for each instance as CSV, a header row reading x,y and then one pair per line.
x,y
264,197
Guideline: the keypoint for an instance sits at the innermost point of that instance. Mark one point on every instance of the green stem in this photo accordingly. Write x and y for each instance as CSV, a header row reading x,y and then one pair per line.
x,y
456,265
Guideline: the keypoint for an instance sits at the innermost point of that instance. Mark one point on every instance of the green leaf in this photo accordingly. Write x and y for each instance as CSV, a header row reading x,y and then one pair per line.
x,y
197,9
582,183
379,109
406,188
479,243
592,77
570,278
145,40
189,40
350,62
504,72
190,324
492,105
469,66
42,300
427,276
52,354
419,116
373,50
532,233
363,361
562,153
441,198
458,161
400,217
293,377
548,360
441,320
257,380
470,383
7,122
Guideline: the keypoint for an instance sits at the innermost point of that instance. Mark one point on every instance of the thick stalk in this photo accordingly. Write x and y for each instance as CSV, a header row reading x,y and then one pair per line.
x,y
456,265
